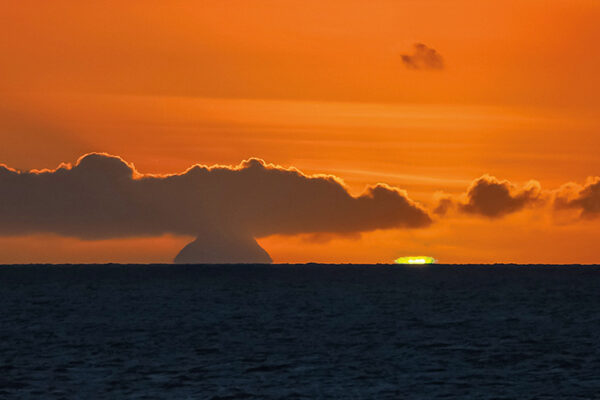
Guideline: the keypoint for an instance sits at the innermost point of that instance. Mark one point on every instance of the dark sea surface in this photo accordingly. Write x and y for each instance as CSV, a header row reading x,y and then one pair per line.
x,y
299,332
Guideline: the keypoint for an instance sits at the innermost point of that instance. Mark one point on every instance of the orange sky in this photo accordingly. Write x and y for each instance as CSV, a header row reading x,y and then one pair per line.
x,y
319,86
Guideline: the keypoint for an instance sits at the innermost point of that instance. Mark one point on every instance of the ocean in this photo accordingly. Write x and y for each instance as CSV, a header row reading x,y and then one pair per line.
x,y
299,332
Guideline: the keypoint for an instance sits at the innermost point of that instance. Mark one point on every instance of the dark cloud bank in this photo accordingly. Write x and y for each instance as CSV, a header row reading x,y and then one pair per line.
x,y
226,208
423,58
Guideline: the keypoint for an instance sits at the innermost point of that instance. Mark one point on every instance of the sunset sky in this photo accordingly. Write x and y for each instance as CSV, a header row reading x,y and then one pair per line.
x,y
510,93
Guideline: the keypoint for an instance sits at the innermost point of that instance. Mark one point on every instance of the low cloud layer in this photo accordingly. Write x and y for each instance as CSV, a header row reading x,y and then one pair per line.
x,y
423,58
103,196
227,208
489,197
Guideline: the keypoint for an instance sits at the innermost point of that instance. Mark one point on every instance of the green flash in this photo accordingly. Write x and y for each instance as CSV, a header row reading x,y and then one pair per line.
x,y
415,260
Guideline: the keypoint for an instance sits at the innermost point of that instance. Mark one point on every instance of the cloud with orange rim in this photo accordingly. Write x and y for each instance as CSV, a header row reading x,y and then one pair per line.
x,y
103,196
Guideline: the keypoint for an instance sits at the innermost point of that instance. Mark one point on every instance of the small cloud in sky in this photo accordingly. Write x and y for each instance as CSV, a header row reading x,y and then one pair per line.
x,y
493,198
490,197
423,58
585,198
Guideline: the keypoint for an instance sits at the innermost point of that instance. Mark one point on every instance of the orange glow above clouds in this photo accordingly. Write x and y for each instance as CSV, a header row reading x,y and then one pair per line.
x,y
320,86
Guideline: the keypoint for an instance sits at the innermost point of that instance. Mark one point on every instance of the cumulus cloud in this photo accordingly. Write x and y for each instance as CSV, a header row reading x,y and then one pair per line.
x,y
423,58
487,196
585,198
226,208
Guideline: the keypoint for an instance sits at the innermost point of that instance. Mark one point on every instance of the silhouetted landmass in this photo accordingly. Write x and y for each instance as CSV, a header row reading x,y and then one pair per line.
x,y
218,248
